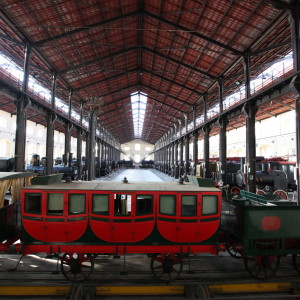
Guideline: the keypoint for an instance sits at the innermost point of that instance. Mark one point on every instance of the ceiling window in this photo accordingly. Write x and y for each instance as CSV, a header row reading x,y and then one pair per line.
x,y
138,104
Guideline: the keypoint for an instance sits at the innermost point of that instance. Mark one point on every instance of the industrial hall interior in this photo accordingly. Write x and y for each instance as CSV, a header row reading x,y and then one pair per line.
x,y
194,93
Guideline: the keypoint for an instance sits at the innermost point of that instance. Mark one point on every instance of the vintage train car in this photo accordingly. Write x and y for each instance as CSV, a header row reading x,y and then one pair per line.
x,y
261,229
165,220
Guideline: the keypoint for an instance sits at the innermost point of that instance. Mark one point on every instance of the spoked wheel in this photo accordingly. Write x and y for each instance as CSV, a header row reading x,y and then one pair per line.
x,y
166,267
296,262
235,190
260,192
231,249
281,194
77,267
262,267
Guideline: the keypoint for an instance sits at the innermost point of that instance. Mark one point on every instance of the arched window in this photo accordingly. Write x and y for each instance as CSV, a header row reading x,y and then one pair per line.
x,y
3,122
5,148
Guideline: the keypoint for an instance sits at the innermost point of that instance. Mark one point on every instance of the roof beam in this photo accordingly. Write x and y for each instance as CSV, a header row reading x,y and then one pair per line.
x,y
279,4
195,33
167,105
97,60
282,44
181,63
8,38
82,29
106,79
140,37
166,95
173,82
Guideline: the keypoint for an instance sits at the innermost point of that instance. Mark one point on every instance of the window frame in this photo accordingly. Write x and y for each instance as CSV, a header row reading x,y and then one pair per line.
x,y
40,204
85,202
136,205
196,201
47,207
175,208
108,205
217,205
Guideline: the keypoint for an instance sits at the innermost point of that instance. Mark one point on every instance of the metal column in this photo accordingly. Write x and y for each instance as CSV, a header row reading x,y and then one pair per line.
x,y
206,130
187,155
51,117
91,142
223,146
250,111
68,127
79,152
294,19
195,150
21,117
181,171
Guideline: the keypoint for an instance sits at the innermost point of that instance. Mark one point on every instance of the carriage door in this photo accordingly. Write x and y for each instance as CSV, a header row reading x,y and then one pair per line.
x,y
77,220
32,215
167,221
55,222
189,221
122,220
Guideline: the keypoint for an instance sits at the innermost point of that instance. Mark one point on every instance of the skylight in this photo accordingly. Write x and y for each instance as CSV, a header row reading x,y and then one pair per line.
x,y
138,104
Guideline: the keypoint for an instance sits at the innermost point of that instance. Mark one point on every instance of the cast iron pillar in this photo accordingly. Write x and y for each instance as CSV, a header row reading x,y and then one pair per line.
x,y
250,110
68,127
79,152
50,117
222,121
21,116
91,142
102,150
176,166
206,130
187,155
195,150
294,19
172,159
181,171
98,165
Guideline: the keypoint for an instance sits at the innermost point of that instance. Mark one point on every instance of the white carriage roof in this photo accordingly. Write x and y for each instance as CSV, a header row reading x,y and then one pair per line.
x,y
120,186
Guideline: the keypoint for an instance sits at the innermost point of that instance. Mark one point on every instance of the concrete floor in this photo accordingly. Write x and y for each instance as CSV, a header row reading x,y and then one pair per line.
x,y
138,174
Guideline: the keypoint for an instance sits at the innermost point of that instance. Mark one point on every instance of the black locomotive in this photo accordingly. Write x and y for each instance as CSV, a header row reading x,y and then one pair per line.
x,y
69,169
7,164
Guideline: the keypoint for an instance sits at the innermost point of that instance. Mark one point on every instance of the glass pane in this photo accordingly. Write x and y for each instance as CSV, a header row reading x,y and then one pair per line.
x,y
33,203
122,204
144,205
188,205
55,204
167,205
209,204
100,204
76,204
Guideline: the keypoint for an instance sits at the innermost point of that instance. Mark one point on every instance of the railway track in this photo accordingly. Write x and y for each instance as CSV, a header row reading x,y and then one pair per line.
x,y
207,275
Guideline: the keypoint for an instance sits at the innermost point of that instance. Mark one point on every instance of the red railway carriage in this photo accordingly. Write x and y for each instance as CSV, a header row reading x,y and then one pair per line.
x,y
83,219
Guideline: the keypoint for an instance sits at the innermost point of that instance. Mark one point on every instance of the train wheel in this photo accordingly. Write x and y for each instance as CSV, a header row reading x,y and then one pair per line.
x,y
166,267
235,190
262,267
77,267
231,249
281,194
260,192
296,262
